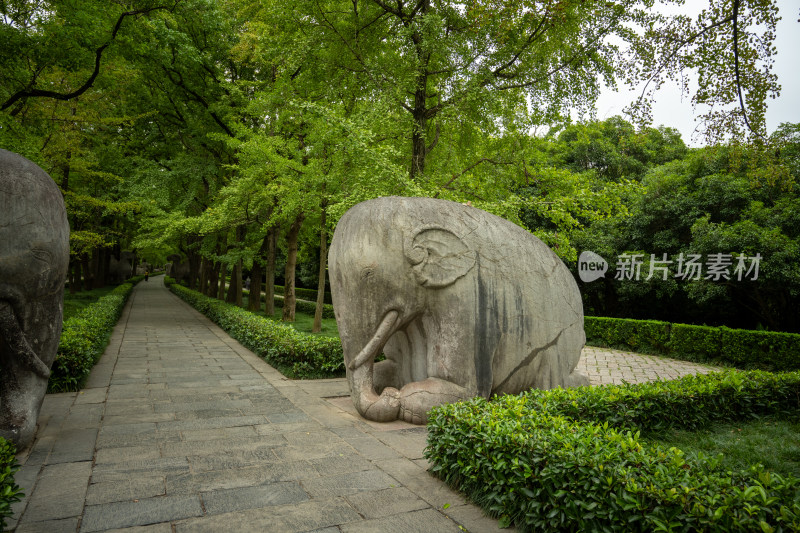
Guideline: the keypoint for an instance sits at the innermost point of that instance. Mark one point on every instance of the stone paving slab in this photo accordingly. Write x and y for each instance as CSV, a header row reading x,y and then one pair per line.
x,y
182,429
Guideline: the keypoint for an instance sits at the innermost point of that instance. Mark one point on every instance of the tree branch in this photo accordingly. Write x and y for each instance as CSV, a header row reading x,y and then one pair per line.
x,y
736,66
40,93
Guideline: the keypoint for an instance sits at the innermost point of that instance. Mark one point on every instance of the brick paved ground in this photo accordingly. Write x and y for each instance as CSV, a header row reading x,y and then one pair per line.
x,y
604,366
181,429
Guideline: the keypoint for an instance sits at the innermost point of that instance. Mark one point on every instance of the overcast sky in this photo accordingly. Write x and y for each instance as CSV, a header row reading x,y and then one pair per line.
x,y
670,110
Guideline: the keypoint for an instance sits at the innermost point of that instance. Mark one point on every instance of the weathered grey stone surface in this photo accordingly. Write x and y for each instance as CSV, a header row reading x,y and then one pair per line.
x,y
178,267
462,303
121,269
34,255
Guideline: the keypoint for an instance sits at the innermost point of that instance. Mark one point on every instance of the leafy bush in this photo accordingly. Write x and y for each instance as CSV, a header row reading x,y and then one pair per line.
x,y
295,354
761,349
305,294
741,348
643,336
83,339
9,491
308,308
571,460
695,343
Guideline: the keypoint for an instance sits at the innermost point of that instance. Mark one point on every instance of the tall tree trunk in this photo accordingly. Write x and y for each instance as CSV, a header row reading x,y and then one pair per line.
x,y
194,268
289,298
205,266
235,288
134,264
213,280
223,271
254,300
420,113
87,272
240,234
97,282
236,275
269,272
323,266
103,259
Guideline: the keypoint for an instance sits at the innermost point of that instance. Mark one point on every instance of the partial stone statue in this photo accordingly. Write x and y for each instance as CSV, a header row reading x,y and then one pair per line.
x,y
122,269
143,268
34,255
461,302
178,268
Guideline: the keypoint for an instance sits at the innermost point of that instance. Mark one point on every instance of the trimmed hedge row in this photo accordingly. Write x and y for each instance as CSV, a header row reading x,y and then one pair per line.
x,y
84,337
571,460
295,354
307,307
306,294
741,348
10,492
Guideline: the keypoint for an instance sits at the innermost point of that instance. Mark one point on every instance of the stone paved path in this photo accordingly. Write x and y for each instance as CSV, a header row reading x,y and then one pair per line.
x,y
182,429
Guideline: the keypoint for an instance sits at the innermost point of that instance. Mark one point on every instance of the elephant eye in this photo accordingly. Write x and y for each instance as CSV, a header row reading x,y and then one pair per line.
x,y
42,255
367,273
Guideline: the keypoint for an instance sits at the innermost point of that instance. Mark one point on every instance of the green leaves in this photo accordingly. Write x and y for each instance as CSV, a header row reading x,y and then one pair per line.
x,y
10,492
83,338
575,457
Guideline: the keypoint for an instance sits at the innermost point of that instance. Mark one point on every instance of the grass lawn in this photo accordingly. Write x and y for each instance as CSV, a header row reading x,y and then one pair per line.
x,y
302,322
772,442
74,303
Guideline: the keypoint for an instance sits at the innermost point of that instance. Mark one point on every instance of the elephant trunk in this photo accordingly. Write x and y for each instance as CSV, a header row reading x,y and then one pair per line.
x,y
383,408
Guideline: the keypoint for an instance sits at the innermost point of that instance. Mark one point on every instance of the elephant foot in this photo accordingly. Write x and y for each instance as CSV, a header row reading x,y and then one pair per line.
x,y
19,419
576,379
383,409
417,398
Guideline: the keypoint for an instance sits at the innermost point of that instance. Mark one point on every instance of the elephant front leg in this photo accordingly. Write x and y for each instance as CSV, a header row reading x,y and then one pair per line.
x,y
417,398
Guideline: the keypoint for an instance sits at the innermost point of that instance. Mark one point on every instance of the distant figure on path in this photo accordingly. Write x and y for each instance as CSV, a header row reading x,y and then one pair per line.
x,y
146,275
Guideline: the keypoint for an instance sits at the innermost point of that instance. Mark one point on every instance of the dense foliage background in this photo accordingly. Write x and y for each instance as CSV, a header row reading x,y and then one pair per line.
x,y
236,132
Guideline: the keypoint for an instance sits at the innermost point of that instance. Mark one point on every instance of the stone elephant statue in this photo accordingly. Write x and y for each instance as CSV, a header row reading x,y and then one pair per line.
x,y
179,270
34,256
121,270
461,302
141,268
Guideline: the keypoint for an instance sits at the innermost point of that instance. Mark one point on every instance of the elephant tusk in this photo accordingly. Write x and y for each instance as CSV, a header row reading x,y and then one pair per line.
x,y
9,327
378,340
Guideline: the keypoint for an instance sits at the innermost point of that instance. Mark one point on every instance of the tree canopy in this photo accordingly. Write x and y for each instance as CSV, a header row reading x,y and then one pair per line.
x,y
236,132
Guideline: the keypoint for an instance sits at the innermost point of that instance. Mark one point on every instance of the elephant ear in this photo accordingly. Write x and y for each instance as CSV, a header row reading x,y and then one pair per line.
x,y
438,257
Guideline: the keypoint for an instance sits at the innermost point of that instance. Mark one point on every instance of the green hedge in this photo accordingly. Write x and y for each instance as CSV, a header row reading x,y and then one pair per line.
x,y
766,350
571,460
306,294
695,343
9,491
83,339
307,307
295,354
643,336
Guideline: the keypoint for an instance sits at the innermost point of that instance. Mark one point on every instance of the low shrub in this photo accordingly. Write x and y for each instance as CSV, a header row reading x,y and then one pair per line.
x,y
572,460
83,339
10,492
695,343
761,349
307,307
305,294
740,348
295,354
643,336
